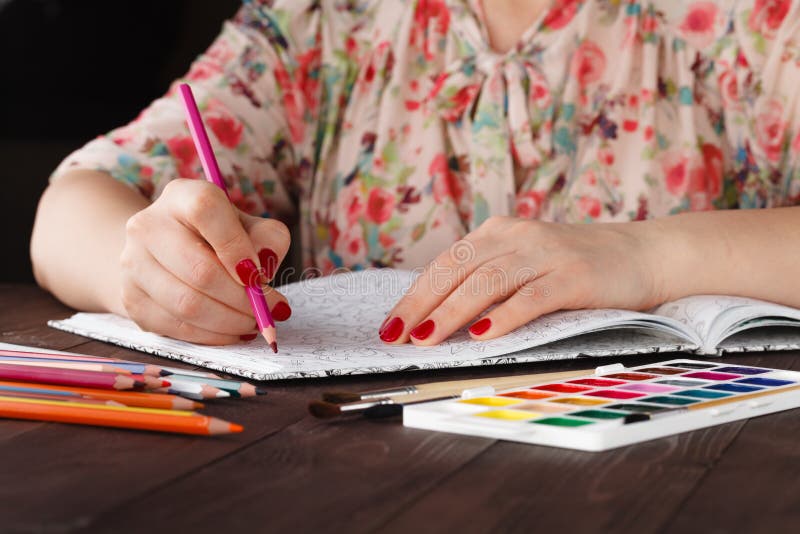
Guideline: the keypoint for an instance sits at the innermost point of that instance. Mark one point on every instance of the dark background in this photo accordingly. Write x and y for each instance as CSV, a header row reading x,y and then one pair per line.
x,y
71,70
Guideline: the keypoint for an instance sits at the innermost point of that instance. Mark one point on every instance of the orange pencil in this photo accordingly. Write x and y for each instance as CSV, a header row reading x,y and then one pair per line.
x,y
128,398
113,416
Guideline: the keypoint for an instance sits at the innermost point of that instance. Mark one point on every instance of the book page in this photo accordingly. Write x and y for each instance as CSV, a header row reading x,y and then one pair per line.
x,y
715,317
334,330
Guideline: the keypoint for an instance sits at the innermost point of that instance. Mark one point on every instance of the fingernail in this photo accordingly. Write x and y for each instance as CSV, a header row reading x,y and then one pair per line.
x,y
281,311
480,327
248,337
423,330
269,262
248,272
392,330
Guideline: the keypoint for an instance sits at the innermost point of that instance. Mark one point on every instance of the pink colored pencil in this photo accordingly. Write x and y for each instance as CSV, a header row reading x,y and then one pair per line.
x,y
203,146
67,377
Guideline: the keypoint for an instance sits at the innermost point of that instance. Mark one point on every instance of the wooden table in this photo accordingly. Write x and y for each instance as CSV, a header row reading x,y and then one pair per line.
x,y
289,472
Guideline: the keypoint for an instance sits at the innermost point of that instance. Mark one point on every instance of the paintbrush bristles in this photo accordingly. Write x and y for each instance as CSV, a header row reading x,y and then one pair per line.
x,y
340,397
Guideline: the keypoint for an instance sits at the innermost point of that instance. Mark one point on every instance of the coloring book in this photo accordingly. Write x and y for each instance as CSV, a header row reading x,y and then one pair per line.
x,y
333,330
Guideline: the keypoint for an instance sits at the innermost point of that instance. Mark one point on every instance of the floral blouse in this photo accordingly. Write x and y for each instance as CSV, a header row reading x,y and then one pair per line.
x,y
388,129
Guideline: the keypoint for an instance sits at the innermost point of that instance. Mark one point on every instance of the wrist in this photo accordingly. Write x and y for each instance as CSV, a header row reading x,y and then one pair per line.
x,y
657,253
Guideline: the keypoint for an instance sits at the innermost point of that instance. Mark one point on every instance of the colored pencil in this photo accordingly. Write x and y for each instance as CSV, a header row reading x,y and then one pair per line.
x,y
209,162
80,366
235,387
115,416
128,398
68,377
449,387
189,372
151,382
134,367
196,391
149,369
60,398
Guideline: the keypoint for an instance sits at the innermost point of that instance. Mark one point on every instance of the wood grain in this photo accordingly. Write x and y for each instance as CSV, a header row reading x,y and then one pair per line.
x,y
290,472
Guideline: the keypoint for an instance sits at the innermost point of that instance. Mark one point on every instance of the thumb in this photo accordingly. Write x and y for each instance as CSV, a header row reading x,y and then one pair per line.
x,y
271,240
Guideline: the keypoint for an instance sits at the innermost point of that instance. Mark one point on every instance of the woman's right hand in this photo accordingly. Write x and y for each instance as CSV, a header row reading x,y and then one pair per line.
x,y
186,261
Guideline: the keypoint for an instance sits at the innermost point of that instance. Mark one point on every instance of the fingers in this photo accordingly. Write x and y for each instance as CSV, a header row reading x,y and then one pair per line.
x,y
181,252
534,299
488,284
442,276
205,209
271,240
187,303
151,317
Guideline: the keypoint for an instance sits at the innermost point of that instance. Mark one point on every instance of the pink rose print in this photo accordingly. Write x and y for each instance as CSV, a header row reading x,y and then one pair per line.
x,y
698,24
767,16
350,203
380,205
729,88
588,63
445,182
712,177
202,70
352,248
431,17
680,168
560,14
529,204
771,129
589,207
182,149
227,130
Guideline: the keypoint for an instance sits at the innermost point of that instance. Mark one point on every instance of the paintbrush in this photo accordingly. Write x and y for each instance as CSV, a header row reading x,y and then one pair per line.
x,y
391,405
451,387
649,416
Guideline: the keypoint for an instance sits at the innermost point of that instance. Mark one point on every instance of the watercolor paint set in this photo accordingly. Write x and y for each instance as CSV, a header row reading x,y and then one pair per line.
x,y
615,406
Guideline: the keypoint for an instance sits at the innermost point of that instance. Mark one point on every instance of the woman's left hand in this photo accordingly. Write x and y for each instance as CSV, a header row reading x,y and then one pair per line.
x,y
527,268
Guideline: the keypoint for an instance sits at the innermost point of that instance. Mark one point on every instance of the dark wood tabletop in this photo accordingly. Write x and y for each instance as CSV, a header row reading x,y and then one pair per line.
x,y
289,472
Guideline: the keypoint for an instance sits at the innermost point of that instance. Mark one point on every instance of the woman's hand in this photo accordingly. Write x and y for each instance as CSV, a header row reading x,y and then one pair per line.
x,y
187,258
526,268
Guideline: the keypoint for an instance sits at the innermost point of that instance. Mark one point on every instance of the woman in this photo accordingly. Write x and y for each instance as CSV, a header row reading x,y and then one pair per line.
x,y
393,129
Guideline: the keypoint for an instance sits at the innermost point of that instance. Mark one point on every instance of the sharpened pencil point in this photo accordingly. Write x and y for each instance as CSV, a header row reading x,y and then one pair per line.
x,y
236,428
274,346
164,372
223,394
261,391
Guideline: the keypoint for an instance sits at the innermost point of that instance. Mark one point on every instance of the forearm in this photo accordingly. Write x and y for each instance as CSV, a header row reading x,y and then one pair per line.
x,y
751,253
77,238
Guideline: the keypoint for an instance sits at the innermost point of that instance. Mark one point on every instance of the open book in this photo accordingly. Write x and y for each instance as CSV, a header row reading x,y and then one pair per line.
x,y
335,320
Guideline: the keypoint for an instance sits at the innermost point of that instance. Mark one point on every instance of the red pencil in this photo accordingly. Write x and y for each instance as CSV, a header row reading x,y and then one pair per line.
x,y
67,377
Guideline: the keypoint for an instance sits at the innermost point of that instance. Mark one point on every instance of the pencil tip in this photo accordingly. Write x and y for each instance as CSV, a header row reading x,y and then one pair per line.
x,y
164,372
261,391
223,394
234,428
274,346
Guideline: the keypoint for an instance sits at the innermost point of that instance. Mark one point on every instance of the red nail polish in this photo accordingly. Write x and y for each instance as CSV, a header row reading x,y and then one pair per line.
x,y
392,330
248,272
423,330
248,337
281,311
269,262
481,326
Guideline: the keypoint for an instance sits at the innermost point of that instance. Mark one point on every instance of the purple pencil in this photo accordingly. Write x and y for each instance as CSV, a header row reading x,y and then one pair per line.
x,y
203,146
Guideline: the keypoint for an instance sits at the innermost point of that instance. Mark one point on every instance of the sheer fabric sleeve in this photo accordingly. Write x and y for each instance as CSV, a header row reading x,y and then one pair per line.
x,y
256,90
